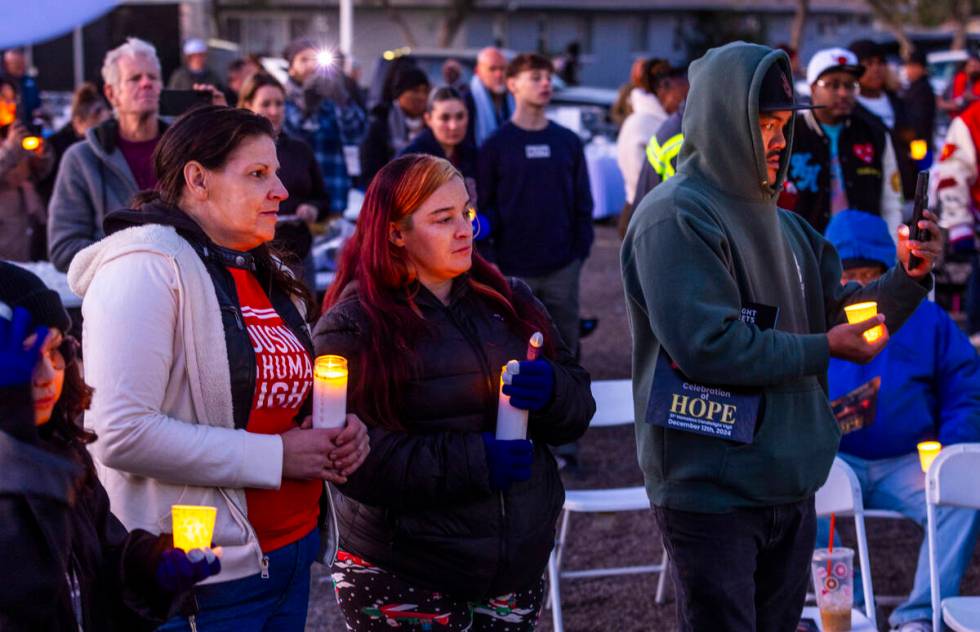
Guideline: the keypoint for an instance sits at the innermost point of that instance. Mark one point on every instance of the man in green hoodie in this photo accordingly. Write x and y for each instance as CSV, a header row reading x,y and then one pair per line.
x,y
703,249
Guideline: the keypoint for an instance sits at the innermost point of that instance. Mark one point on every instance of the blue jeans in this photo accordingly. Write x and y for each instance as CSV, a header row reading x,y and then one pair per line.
x,y
898,484
253,604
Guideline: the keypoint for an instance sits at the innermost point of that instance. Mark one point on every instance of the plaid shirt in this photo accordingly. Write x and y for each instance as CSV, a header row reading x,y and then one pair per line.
x,y
326,132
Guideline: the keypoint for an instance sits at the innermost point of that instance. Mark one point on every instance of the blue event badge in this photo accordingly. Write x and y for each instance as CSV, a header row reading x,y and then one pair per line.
x,y
723,412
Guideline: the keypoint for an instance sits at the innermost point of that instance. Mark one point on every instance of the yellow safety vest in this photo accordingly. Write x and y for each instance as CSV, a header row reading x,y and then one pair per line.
x,y
661,156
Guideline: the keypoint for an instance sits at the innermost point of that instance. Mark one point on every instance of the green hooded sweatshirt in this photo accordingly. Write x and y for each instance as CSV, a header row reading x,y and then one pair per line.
x,y
698,248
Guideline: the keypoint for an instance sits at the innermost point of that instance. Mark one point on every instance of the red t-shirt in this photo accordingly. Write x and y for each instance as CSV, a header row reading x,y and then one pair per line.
x,y
960,82
139,157
283,381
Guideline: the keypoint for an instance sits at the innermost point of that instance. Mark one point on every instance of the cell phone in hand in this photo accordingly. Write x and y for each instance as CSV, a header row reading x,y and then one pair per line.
x,y
920,204
176,102
5,312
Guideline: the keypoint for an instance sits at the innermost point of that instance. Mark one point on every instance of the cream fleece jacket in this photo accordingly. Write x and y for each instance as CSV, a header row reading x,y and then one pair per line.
x,y
155,354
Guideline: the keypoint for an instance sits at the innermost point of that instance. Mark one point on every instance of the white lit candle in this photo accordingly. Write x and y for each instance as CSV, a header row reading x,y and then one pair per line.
x,y
329,391
511,422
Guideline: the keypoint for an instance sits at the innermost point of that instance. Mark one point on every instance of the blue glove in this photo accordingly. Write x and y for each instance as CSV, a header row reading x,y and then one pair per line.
x,y
16,363
481,227
178,571
533,387
508,460
964,246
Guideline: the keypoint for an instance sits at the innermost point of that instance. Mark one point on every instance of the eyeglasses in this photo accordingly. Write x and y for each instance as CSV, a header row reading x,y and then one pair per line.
x,y
834,86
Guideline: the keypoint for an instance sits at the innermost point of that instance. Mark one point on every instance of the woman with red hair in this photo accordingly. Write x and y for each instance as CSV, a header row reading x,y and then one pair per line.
x,y
443,521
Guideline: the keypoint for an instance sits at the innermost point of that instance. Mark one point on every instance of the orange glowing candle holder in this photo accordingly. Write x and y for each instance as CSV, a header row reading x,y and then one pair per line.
x,y
193,526
8,113
860,312
31,143
330,391
918,149
928,451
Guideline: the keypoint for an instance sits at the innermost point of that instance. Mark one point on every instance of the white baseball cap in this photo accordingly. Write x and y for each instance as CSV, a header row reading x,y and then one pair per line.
x,y
832,59
195,46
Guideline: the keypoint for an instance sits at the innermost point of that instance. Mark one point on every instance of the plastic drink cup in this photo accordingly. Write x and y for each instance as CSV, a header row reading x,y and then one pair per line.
x,y
860,312
833,584
928,451
193,526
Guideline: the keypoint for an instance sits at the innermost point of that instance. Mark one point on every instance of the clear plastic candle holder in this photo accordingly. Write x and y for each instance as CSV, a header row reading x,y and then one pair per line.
x,y
860,312
193,526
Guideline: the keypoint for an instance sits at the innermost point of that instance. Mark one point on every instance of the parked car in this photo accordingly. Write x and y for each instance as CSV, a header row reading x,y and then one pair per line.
x,y
585,110
943,65
430,60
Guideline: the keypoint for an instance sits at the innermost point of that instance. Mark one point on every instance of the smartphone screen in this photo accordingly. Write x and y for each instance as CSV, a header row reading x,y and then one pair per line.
x,y
176,102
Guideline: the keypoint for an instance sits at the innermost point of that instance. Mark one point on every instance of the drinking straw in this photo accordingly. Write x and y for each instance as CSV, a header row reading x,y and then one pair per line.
x,y
830,541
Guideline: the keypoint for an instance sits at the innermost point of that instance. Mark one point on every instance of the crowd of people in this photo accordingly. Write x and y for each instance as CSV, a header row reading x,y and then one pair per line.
x,y
189,241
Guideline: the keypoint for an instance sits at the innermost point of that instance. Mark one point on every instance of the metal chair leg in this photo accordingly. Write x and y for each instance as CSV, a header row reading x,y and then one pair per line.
x,y
555,557
562,534
662,580
554,592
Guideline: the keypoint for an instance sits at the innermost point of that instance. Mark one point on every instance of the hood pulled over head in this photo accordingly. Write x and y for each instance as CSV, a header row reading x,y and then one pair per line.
x,y
722,141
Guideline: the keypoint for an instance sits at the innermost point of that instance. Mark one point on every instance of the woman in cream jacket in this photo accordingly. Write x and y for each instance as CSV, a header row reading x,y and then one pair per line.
x,y
197,346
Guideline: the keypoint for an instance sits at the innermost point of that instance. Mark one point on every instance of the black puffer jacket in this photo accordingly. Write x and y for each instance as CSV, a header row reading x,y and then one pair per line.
x,y
421,505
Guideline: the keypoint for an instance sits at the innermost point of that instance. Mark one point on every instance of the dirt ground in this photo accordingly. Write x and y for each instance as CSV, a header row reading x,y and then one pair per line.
x,y
608,459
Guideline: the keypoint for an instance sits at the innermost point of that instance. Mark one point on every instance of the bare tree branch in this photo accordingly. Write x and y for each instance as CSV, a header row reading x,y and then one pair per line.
x,y
961,11
451,23
799,23
895,15
396,16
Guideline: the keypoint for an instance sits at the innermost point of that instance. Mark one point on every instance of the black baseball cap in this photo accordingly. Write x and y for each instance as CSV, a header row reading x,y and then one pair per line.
x,y
868,49
917,57
776,92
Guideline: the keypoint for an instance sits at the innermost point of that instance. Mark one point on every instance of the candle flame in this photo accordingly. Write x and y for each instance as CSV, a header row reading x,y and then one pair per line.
x,y
330,367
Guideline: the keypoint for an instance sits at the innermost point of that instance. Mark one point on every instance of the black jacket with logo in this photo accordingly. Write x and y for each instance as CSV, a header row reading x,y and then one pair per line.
x,y
861,149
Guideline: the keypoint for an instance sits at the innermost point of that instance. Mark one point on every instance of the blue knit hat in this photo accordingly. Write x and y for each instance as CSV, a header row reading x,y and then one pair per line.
x,y
861,239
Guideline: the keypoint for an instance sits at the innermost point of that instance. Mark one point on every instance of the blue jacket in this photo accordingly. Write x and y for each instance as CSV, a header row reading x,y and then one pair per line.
x,y
930,388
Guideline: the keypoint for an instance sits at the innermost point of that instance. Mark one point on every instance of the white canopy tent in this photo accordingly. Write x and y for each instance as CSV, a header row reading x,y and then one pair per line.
x,y
35,21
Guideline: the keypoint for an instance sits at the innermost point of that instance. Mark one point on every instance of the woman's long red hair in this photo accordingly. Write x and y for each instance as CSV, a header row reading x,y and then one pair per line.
x,y
386,289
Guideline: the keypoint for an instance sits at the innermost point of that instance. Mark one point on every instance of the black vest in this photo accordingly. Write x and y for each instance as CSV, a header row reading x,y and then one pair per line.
x,y
861,148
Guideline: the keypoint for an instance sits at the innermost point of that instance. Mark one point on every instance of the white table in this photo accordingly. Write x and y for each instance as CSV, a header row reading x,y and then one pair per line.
x,y
608,190
859,622
613,402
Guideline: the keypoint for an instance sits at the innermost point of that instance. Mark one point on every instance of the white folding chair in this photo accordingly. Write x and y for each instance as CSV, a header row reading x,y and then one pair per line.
x,y
886,514
614,407
841,495
952,480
